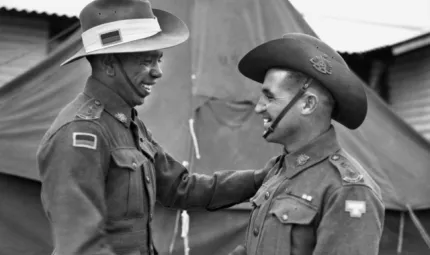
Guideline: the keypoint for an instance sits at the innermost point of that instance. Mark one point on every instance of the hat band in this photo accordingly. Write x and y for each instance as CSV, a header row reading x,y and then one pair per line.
x,y
118,32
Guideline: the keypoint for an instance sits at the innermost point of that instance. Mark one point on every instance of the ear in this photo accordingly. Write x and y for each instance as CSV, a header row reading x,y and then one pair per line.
x,y
107,63
309,103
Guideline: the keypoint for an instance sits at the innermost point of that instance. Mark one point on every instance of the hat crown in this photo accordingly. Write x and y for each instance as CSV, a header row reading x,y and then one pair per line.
x,y
99,12
318,45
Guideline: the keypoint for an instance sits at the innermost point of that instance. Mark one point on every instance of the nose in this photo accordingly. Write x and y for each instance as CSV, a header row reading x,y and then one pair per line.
x,y
260,107
156,71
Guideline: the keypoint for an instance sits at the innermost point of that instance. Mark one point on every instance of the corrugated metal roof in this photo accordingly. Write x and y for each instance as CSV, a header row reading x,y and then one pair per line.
x,y
401,47
69,9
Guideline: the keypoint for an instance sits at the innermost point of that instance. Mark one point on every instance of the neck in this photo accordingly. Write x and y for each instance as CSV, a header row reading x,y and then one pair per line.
x,y
303,137
112,84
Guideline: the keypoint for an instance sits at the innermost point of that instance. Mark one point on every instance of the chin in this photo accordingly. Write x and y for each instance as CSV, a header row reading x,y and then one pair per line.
x,y
271,138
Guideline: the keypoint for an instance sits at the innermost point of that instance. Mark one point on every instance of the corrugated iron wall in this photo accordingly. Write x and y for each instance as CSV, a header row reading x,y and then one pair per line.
x,y
409,89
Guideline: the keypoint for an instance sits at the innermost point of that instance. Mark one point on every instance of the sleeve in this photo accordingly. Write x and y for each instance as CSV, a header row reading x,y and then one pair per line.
x,y
352,222
239,250
177,188
72,165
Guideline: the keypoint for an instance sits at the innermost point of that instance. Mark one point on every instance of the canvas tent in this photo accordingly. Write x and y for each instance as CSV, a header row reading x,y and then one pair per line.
x,y
201,82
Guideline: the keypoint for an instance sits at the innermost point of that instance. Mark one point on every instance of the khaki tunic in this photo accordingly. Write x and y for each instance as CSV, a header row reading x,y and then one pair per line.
x,y
102,173
316,201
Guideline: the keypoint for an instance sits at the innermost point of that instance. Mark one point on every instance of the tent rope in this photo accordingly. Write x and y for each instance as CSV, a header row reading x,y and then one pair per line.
x,y
419,226
401,233
194,137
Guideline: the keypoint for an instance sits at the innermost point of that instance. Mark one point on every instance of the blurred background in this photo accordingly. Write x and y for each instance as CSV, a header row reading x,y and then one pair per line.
x,y
385,43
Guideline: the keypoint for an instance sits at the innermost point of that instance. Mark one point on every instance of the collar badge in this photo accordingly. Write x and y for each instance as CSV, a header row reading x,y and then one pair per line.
x,y
302,159
121,117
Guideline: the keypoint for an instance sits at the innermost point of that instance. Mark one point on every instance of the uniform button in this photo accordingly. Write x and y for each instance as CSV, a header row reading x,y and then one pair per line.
x,y
267,195
150,217
335,157
256,231
141,139
285,217
134,165
97,102
147,179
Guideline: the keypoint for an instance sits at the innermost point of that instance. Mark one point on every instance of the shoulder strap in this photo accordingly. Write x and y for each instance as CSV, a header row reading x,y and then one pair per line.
x,y
348,172
90,110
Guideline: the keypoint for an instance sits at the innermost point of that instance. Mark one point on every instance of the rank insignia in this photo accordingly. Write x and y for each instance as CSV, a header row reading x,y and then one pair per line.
x,y
121,117
307,197
322,64
355,208
302,159
85,140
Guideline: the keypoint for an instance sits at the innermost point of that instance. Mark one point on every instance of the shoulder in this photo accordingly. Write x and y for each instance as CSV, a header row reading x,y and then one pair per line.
x,y
352,173
90,109
81,108
79,116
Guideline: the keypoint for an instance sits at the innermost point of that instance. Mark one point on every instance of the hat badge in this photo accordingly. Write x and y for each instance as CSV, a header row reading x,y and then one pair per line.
x,y
121,117
322,64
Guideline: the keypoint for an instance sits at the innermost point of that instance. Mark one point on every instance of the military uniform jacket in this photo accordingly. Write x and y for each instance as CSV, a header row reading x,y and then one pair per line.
x,y
316,201
102,173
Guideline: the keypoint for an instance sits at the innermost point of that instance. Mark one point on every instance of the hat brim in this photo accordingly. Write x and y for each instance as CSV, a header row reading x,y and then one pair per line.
x,y
173,32
293,54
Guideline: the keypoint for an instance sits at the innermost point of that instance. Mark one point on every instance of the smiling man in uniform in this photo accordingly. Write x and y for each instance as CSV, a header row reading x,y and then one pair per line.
x,y
101,170
316,199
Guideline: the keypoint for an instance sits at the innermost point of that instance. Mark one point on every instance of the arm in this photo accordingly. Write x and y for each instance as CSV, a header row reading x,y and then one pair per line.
x,y
73,178
176,187
352,222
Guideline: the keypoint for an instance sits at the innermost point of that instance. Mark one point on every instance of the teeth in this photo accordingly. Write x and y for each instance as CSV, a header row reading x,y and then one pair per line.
x,y
147,87
265,121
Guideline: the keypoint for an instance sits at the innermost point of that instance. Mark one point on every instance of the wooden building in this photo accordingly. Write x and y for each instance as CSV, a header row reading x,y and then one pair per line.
x,y
401,75
27,37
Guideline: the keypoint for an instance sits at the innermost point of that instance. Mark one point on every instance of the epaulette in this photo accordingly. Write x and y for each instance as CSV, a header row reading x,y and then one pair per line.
x,y
90,110
348,172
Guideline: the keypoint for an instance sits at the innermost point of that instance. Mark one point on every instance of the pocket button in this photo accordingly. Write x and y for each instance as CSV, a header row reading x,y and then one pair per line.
x,y
256,231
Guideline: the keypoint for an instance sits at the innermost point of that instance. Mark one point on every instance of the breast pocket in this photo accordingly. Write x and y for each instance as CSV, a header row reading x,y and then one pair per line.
x,y
288,224
125,188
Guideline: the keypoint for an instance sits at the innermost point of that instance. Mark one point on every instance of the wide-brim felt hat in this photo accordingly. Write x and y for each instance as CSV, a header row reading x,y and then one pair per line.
x,y
124,26
309,55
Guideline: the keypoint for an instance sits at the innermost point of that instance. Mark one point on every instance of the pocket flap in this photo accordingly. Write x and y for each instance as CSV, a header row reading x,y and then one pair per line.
x,y
128,158
290,211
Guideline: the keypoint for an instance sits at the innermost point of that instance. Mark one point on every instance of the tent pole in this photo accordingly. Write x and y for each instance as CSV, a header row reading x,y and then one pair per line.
x,y
175,231
419,226
401,233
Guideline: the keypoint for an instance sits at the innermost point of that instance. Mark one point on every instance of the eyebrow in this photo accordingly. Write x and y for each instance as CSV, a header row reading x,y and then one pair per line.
x,y
151,54
266,91
156,53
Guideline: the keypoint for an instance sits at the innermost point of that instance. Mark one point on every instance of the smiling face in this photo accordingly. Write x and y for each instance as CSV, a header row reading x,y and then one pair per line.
x,y
143,70
279,88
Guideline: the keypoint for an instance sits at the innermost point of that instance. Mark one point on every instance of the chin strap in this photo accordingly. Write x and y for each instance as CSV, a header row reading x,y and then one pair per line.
x,y
124,74
286,109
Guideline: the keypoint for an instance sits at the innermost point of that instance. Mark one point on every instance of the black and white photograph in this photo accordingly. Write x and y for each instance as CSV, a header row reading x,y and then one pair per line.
x,y
215,127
